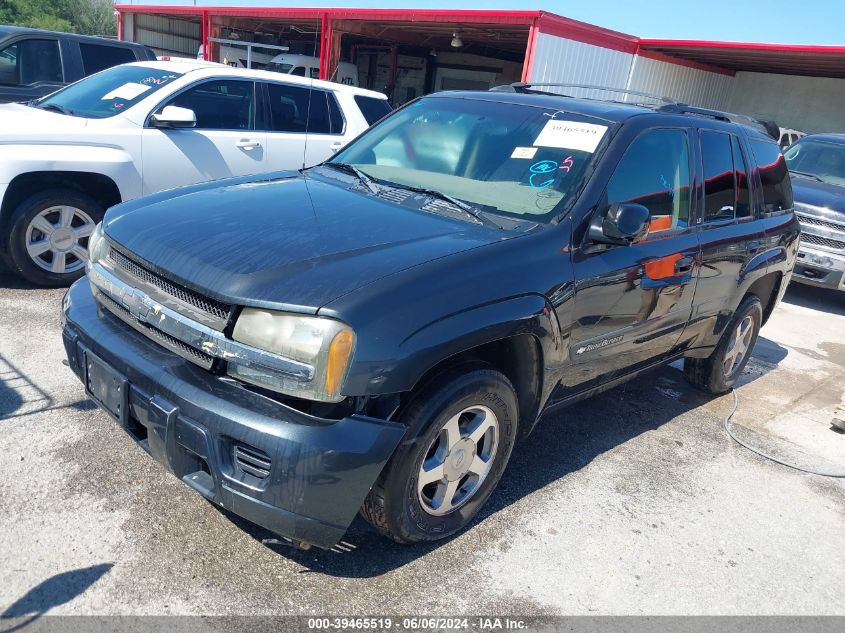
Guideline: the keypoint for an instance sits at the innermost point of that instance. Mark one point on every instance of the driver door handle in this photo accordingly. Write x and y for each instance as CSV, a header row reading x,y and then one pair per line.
x,y
247,144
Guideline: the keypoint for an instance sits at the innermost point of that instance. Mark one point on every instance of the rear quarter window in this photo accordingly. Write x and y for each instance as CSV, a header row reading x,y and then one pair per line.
x,y
373,109
774,176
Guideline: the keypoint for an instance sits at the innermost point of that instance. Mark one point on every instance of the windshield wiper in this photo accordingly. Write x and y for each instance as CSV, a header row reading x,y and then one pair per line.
x,y
56,108
460,204
806,175
360,175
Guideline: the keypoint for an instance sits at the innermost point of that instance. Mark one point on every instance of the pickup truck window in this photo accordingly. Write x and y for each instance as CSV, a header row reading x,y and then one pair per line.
x,y
818,159
719,185
97,57
504,158
655,173
31,61
774,176
108,92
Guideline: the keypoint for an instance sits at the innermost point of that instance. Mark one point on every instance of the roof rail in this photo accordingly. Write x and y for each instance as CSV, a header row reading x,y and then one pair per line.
x,y
683,108
529,88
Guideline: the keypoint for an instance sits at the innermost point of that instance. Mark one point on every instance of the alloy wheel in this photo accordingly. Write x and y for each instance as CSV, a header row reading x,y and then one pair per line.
x,y
458,460
57,239
739,346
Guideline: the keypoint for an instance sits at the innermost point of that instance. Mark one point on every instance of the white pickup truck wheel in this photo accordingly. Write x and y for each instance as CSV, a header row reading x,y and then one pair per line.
x,y
48,240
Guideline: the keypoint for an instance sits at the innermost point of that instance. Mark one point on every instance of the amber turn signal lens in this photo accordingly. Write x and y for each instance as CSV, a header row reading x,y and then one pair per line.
x,y
339,352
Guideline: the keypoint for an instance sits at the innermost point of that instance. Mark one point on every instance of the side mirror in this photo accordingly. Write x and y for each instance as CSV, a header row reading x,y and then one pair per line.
x,y
622,224
174,117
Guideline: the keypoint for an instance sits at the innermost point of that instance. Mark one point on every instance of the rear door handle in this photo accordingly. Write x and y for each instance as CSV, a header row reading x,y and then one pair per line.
x,y
336,146
247,144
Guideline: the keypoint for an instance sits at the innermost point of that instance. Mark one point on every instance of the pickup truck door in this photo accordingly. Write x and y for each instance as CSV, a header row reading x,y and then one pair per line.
x,y
30,67
632,303
227,140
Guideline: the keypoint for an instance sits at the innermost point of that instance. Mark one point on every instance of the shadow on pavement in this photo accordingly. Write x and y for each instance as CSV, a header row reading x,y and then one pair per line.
x,y
821,299
53,592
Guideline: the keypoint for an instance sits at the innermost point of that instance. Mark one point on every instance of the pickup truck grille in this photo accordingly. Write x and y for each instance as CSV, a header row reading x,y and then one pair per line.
x,y
217,313
815,221
818,240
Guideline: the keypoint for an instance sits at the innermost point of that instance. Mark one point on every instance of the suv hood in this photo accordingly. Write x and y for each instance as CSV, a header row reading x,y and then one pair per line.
x,y
818,194
19,120
290,242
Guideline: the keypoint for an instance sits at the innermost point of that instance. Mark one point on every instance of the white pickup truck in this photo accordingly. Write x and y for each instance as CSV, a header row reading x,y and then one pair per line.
x,y
139,128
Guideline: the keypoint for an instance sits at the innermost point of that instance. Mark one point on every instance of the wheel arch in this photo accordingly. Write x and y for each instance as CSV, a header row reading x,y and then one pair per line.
x,y
99,186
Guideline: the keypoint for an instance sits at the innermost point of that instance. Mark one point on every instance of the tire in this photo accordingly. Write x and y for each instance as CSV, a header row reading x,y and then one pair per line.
x,y
396,506
72,216
712,374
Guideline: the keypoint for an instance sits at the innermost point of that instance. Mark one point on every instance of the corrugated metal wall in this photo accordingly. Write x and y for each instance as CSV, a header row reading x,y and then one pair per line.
x,y
687,85
557,59
561,60
167,36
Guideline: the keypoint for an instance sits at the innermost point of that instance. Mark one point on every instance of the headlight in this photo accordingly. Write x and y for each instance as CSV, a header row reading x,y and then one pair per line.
x,y
323,344
97,245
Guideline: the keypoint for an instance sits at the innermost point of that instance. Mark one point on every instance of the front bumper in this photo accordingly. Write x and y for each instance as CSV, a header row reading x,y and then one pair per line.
x,y
820,268
299,476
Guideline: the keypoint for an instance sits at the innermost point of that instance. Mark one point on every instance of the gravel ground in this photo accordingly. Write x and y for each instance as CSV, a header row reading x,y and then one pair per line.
x,y
633,502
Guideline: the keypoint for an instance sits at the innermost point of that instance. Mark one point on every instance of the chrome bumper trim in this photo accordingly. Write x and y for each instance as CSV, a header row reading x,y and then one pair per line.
x,y
190,332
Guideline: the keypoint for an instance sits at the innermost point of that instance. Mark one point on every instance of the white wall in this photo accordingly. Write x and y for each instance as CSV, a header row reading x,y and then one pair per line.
x,y
809,104
560,60
681,83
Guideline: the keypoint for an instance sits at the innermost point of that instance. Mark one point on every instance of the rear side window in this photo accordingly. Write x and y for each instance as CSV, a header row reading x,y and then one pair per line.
x,y
96,57
298,109
774,176
719,190
372,109
654,172
335,115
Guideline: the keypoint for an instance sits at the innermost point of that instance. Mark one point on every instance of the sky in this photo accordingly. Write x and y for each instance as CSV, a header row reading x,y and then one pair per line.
x,y
776,21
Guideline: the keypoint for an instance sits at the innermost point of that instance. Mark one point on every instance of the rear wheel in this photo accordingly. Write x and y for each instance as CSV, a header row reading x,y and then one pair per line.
x,y
461,430
719,372
48,236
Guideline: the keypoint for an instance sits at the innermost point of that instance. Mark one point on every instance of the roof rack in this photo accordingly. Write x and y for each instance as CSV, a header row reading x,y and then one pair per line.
x,y
529,88
683,108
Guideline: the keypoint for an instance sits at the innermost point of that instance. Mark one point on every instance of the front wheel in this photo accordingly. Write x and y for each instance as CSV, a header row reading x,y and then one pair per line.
x,y
719,372
461,430
48,236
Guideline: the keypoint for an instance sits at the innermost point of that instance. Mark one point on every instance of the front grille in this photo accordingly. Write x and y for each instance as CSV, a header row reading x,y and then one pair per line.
x,y
252,460
810,238
165,340
816,221
212,307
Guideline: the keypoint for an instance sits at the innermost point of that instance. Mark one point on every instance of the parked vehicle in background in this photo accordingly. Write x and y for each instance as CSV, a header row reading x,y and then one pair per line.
x,y
239,57
308,66
139,128
788,137
34,63
817,165
377,331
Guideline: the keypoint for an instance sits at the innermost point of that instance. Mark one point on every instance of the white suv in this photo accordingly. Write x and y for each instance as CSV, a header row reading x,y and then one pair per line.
x,y
139,128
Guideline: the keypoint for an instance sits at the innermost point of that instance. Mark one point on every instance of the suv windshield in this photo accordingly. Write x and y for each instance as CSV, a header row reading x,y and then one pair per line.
x,y
109,92
820,159
516,160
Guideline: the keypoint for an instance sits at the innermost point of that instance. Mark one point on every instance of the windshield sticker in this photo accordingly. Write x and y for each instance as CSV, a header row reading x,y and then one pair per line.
x,y
542,174
567,164
127,91
524,152
584,137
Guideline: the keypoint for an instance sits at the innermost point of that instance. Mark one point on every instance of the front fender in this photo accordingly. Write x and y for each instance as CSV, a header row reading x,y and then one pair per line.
x,y
458,332
113,162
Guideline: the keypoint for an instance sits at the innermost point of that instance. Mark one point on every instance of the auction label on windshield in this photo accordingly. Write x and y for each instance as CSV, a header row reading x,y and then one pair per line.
x,y
584,137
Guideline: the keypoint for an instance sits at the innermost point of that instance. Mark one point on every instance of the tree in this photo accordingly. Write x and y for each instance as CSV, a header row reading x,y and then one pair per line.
x,y
91,17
